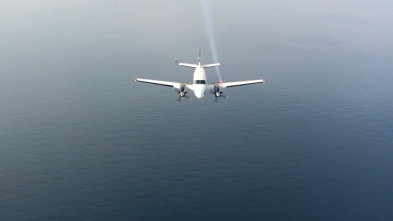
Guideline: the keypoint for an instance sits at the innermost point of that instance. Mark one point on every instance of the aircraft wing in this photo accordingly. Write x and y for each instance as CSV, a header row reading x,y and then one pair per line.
x,y
157,82
240,83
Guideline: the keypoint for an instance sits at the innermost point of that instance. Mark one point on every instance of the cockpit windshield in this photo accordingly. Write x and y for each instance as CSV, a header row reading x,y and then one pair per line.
x,y
200,82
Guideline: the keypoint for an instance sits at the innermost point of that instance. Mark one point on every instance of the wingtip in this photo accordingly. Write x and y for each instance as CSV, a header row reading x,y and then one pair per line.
x,y
135,79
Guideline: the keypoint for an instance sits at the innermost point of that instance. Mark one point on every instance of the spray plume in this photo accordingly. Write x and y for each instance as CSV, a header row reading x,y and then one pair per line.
x,y
210,35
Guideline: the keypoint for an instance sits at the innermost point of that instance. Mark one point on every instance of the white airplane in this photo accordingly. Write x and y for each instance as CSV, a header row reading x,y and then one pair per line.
x,y
199,85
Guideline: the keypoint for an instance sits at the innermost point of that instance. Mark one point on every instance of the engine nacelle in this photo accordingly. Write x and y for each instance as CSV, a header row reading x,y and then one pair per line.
x,y
217,90
183,90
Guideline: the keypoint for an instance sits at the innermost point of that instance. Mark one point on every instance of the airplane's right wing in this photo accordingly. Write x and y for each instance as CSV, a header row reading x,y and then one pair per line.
x,y
240,83
157,82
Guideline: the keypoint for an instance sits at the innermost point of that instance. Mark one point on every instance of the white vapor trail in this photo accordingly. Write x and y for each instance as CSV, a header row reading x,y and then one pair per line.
x,y
210,35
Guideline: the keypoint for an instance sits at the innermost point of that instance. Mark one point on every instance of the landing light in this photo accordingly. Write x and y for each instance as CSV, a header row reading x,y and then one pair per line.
x,y
220,81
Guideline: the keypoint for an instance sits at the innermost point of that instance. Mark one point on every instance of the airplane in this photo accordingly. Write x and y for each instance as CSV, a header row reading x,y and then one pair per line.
x,y
199,86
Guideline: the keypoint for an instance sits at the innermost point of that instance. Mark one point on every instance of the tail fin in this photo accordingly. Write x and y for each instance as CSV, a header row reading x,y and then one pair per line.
x,y
199,56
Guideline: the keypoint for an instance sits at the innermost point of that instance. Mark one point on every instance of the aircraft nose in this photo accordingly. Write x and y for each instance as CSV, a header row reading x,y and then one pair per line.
x,y
199,91
199,95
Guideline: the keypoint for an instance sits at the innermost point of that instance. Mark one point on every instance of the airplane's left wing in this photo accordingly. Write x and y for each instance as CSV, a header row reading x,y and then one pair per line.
x,y
240,83
157,82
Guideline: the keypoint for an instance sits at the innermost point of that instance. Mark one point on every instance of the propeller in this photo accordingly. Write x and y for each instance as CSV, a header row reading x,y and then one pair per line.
x,y
179,98
182,93
221,96
217,93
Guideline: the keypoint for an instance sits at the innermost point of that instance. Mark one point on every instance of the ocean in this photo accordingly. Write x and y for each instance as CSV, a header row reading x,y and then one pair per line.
x,y
80,140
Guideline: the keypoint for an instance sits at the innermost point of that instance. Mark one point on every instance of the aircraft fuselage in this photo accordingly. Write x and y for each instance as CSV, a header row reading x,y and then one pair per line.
x,y
199,81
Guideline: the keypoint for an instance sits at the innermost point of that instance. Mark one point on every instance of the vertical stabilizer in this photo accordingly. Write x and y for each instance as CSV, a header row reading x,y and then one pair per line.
x,y
199,56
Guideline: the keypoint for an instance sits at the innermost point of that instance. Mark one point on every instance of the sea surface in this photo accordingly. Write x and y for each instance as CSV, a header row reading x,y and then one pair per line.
x,y
80,140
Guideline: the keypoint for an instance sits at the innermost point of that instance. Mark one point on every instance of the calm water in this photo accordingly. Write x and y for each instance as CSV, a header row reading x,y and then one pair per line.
x,y
80,140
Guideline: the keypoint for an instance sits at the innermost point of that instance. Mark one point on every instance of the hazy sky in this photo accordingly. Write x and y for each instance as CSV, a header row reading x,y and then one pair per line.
x,y
46,34
353,23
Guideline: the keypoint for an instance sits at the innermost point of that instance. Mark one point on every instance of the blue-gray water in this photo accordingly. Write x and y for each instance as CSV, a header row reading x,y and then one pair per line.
x,y
80,140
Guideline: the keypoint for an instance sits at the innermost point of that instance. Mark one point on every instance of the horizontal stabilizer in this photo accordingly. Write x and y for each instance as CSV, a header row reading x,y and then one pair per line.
x,y
188,65
211,65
